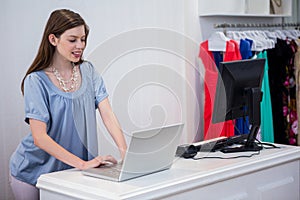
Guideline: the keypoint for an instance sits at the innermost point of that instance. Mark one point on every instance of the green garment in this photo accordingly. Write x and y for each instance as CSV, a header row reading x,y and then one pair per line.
x,y
266,127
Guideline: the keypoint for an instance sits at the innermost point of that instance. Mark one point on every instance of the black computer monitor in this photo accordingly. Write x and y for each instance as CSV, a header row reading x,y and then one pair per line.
x,y
238,94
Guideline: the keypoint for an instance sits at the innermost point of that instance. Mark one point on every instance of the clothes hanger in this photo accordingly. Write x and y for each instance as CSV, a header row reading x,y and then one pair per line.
x,y
295,33
265,39
247,35
288,34
258,44
234,35
217,41
271,35
280,34
230,35
259,38
292,34
240,35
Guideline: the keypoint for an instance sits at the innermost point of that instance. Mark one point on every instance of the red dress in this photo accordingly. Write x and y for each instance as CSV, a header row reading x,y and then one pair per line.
x,y
210,81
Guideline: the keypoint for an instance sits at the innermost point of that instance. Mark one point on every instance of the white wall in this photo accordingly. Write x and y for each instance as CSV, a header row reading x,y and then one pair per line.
x,y
147,82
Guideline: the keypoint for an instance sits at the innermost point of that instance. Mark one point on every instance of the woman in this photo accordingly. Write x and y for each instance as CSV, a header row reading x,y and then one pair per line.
x,y
61,93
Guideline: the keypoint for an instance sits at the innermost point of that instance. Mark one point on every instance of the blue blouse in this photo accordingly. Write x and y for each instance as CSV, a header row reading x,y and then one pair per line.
x,y
70,119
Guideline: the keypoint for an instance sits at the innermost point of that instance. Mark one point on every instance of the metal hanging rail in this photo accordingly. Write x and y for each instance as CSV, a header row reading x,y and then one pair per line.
x,y
256,25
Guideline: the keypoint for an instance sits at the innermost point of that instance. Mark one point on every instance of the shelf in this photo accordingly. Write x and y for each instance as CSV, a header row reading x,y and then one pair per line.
x,y
242,15
242,8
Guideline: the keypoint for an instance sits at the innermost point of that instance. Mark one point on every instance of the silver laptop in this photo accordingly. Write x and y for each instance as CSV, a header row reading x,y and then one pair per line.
x,y
149,151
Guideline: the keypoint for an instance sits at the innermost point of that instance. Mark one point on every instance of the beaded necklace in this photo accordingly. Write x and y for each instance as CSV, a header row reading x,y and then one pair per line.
x,y
73,81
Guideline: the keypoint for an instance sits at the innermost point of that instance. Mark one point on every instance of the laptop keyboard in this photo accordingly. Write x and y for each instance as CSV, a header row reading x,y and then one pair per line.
x,y
111,170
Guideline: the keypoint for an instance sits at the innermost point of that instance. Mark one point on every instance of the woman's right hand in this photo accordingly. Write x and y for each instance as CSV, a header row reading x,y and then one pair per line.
x,y
99,160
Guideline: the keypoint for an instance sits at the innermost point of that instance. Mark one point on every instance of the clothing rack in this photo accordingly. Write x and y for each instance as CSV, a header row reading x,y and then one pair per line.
x,y
256,25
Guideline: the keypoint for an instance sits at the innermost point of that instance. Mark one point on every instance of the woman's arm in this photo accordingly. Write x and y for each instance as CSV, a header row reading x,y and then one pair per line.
x,y
43,141
112,125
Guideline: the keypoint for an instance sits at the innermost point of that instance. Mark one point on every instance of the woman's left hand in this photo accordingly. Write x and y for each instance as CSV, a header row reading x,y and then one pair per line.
x,y
106,159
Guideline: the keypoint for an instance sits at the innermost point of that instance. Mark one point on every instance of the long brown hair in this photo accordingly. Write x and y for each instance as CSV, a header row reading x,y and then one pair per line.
x,y
58,22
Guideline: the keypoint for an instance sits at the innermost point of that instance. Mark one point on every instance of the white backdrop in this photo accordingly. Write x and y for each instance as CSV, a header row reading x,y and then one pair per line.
x,y
147,82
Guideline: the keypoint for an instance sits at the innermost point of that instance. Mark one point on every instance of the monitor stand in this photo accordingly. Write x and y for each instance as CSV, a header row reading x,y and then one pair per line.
x,y
249,145
254,97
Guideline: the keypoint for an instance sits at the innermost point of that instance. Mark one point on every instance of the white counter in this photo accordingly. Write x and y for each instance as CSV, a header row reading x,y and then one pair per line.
x,y
273,174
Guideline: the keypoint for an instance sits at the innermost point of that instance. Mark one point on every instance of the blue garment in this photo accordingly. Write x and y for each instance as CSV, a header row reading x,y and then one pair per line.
x,y
218,57
70,119
242,124
245,48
